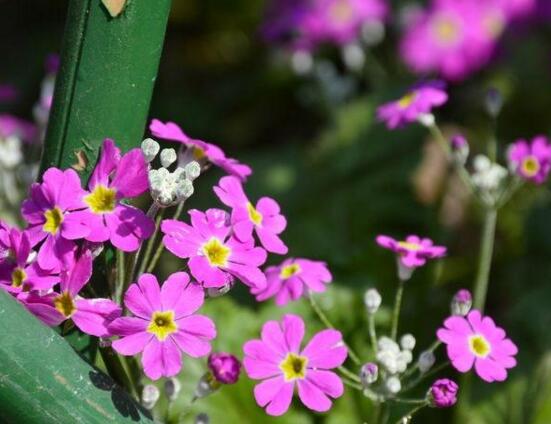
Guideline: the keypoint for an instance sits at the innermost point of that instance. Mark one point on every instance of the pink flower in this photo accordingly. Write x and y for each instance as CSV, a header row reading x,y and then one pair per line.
x,y
200,150
414,251
11,126
116,178
18,272
289,280
531,161
476,340
224,367
417,101
164,324
50,213
215,257
90,315
443,393
264,218
278,360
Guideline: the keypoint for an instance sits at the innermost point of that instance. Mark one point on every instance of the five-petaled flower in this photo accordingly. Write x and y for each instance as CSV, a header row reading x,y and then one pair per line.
x,y
412,252
531,161
278,360
476,340
292,279
215,256
265,218
164,324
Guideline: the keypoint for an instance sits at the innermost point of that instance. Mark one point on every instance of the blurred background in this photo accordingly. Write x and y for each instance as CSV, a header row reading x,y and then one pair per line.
x,y
240,74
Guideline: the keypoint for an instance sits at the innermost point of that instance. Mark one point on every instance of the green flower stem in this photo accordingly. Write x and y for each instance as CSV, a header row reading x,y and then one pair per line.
x,y
323,318
345,371
116,370
372,332
396,311
414,368
412,412
428,374
351,384
120,276
150,244
485,259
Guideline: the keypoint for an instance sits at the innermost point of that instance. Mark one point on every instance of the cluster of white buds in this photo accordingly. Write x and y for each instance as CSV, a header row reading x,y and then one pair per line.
x,y
488,176
169,188
393,359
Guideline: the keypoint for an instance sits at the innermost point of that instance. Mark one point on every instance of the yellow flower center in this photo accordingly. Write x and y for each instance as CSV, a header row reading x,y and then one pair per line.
x,y
101,200
289,270
530,166
409,245
254,215
64,304
54,218
17,277
479,346
216,253
162,324
198,153
407,100
341,11
446,30
293,367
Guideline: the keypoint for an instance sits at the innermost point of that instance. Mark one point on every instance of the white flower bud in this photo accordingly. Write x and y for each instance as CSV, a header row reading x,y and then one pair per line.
x,y
183,190
150,396
426,119
461,303
393,385
168,157
369,373
150,149
192,170
404,272
372,300
172,388
407,342
426,361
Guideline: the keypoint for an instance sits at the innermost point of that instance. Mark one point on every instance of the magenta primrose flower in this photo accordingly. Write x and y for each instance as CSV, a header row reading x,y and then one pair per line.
x,y
264,218
164,324
531,161
199,150
289,280
90,315
414,251
277,360
215,256
18,269
50,213
419,100
476,340
116,178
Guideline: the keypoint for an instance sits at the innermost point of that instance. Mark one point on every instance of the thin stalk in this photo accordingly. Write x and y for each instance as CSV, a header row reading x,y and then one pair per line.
x,y
428,374
117,371
352,384
411,413
323,318
150,244
396,311
414,368
372,332
485,259
120,276
345,371
410,401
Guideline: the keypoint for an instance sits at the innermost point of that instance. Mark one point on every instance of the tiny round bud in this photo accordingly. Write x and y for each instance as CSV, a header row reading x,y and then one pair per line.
x,y
372,300
461,303
460,149
373,32
224,367
302,62
493,102
426,361
369,373
443,393
168,157
150,396
172,388
184,189
407,342
206,385
202,418
192,170
404,272
393,385
353,56
150,149
426,119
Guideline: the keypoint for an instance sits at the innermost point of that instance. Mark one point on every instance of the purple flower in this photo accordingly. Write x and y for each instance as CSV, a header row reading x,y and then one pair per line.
x,y
278,360
215,256
224,367
50,213
288,281
116,178
443,393
264,218
531,161
199,150
164,324
414,251
418,101
11,126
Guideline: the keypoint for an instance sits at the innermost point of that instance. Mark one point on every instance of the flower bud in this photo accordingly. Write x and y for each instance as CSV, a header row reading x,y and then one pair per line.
x,y
460,149
407,342
404,272
192,170
206,385
443,393
426,119
150,396
369,373
224,367
168,157
172,388
150,149
202,418
493,102
461,303
372,300
426,361
393,385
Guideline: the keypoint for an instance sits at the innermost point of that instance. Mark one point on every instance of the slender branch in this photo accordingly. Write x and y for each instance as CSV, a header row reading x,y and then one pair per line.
x,y
396,312
150,244
485,259
352,384
345,371
372,332
423,376
323,318
411,413
120,276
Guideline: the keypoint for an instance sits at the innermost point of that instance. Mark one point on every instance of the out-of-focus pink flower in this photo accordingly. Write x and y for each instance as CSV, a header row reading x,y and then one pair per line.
x,y
11,126
531,161
414,251
419,100
476,341
292,279
164,324
278,360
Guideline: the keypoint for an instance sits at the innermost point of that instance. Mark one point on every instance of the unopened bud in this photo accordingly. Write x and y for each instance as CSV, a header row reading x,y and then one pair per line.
x,y
172,388
168,157
207,384
493,102
150,149
393,385
461,303
202,418
426,361
224,367
404,272
407,342
369,373
426,119
150,396
192,170
460,149
372,300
